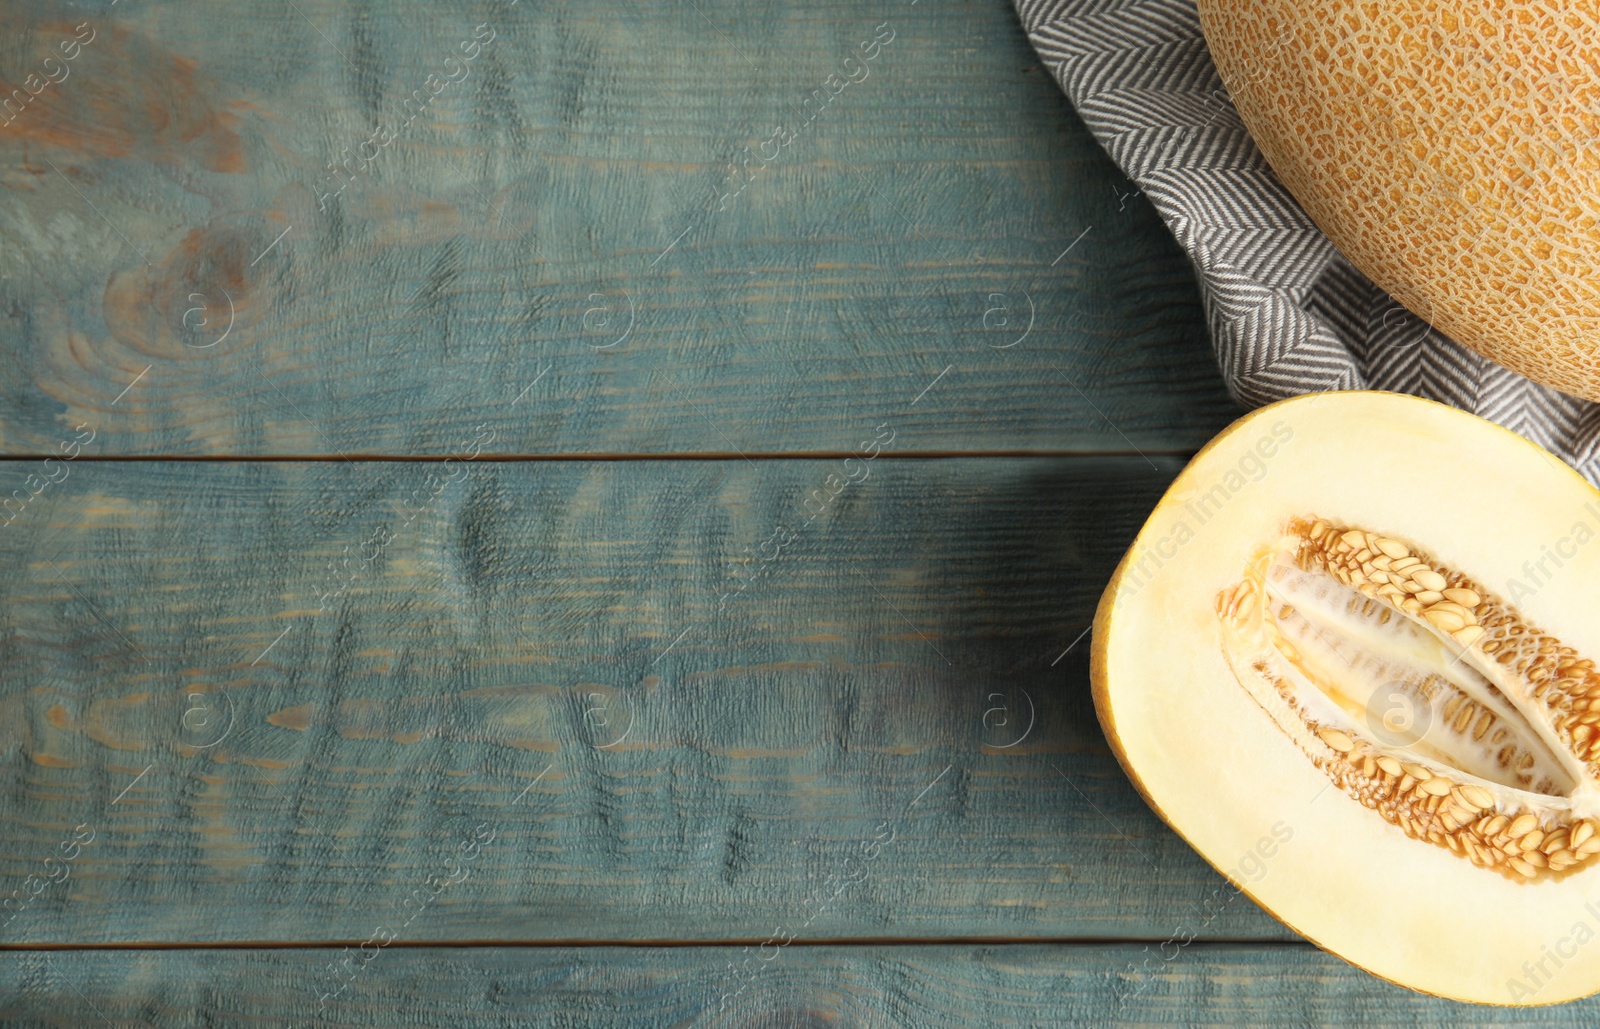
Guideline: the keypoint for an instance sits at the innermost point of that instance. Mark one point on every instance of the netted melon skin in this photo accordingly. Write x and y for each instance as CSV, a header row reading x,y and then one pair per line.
x,y
1451,150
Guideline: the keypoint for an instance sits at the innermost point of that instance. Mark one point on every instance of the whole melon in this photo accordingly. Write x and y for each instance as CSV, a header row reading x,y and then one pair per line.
x,y
1449,148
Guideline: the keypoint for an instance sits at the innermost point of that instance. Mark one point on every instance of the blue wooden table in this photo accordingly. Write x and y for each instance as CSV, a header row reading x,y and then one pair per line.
x,y
527,514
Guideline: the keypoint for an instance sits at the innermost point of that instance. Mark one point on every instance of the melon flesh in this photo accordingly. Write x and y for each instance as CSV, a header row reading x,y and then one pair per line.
x,y
1350,659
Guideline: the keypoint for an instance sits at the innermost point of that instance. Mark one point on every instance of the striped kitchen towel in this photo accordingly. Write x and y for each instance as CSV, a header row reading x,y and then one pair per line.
x,y
1288,313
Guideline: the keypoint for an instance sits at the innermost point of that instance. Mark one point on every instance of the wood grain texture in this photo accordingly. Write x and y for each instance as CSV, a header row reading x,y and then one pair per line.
x,y
576,701
254,770
799,988
560,246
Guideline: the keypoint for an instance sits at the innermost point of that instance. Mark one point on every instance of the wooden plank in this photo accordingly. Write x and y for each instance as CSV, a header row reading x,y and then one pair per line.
x,y
957,986
559,246
909,663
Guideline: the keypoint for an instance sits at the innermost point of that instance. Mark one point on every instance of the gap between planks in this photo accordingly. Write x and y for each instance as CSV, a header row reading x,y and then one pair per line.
x,y
1183,454
854,941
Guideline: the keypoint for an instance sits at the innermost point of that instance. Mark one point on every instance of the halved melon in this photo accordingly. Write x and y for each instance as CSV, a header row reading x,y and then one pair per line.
x,y
1351,658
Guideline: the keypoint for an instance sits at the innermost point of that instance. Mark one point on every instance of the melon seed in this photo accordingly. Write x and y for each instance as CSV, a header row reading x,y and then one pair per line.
x,y
1438,786
1448,621
1337,740
1522,825
1429,579
1393,548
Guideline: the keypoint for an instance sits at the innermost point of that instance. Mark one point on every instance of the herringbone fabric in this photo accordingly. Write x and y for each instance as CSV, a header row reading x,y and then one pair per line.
x,y
1288,313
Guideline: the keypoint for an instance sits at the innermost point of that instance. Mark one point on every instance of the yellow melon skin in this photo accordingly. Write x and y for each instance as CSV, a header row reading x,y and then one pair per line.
x,y
1210,760
1449,148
